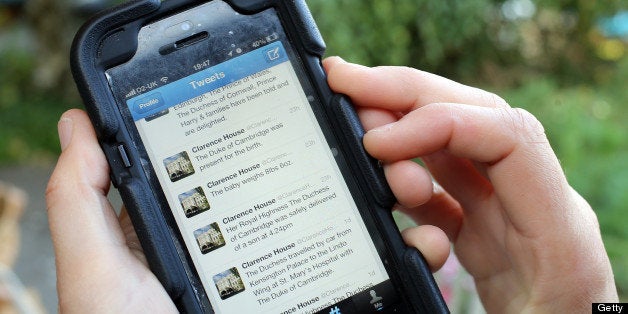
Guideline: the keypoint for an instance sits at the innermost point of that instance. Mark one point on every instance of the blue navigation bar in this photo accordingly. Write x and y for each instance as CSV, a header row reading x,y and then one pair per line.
x,y
199,83
148,103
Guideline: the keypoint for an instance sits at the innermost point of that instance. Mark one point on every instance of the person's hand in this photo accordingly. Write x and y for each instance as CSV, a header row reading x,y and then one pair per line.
x,y
531,243
100,265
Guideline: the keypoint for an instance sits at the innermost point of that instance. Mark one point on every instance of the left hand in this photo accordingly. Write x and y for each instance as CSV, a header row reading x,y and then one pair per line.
x,y
100,265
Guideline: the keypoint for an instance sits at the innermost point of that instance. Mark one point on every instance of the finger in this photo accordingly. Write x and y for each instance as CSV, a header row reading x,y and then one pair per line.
x,y
440,210
481,134
371,117
374,117
431,242
400,88
411,184
510,142
460,177
80,217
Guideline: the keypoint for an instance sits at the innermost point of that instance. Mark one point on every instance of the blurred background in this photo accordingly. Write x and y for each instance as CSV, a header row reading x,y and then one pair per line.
x,y
566,61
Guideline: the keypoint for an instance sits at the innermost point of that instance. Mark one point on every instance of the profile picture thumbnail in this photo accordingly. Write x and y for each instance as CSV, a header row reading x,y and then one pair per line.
x,y
194,202
209,238
179,166
228,283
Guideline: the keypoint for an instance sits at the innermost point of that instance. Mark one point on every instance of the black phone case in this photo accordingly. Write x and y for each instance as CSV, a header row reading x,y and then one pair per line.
x,y
95,48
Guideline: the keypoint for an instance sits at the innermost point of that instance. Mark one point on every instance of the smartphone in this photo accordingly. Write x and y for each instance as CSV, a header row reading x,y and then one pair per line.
x,y
243,174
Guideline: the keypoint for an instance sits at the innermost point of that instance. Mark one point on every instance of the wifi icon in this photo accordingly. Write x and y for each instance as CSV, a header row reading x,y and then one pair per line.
x,y
164,79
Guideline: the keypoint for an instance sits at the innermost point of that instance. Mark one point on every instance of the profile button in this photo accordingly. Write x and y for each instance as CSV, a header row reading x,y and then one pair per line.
x,y
379,298
149,103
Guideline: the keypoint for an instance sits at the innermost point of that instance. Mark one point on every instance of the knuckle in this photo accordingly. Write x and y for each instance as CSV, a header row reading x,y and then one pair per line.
x,y
489,99
523,123
497,101
53,189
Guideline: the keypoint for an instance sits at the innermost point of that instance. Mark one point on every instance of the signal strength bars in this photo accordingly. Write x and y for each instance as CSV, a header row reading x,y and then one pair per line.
x,y
131,94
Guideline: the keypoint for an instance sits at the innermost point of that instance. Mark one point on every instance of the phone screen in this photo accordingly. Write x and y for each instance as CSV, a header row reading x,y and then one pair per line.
x,y
232,135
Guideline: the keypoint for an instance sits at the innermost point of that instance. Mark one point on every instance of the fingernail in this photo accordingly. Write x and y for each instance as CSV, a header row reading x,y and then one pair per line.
x,y
437,188
65,127
383,128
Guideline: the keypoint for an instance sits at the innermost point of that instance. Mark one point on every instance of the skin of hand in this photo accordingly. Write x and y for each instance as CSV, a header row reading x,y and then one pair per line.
x,y
531,242
100,264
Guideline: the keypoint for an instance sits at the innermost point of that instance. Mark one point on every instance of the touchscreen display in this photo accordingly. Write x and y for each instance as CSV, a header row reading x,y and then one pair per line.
x,y
251,180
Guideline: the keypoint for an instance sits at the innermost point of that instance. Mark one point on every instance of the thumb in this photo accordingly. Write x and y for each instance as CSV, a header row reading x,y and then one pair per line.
x,y
431,241
83,224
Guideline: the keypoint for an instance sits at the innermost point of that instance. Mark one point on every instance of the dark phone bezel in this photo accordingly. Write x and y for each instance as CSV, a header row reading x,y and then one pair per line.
x,y
92,55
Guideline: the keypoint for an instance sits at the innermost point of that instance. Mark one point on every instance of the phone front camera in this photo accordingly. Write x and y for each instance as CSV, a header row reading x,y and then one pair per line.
x,y
186,26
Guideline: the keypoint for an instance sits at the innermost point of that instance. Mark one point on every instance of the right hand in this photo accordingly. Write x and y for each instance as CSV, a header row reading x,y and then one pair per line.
x,y
531,242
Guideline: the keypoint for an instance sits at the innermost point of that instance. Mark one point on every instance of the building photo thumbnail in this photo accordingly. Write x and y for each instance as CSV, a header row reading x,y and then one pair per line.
x,y
228,283
179,166
194,202
209,238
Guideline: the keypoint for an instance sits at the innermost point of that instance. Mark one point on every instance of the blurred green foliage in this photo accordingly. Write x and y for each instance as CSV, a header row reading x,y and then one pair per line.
x,y
499,42
28,115
550,60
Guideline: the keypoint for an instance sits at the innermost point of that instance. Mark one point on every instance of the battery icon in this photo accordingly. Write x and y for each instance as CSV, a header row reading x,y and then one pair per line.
x,y
271,37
